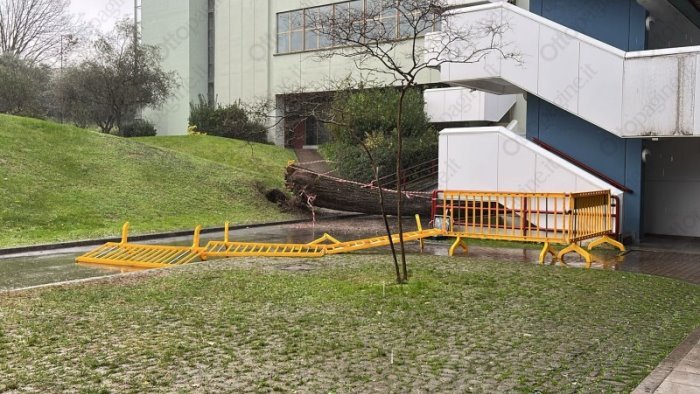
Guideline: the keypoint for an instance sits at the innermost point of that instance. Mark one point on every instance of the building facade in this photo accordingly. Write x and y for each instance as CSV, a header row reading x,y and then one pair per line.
x,y
608,86
247,50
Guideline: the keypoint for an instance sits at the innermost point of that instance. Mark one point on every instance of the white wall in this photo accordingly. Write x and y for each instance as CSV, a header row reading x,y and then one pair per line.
x,y
248,67
495,159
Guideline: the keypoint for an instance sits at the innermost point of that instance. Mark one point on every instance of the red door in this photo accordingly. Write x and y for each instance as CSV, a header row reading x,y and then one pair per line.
x,y
298,134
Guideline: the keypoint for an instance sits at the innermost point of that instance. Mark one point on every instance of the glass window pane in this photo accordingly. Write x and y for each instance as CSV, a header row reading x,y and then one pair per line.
x,y
356,10
326,11
373,30
425,26
389,28
296,20
373,6
405,29
283,43
283,22
389,12
341,11
374,9
312,17
357,31
297,41
324,41
311,40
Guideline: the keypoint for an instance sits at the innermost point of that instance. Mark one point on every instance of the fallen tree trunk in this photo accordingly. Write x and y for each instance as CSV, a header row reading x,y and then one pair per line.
x,y
342,195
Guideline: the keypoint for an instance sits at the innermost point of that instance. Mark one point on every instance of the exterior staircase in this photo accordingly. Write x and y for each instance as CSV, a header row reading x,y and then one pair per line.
x,y
630,94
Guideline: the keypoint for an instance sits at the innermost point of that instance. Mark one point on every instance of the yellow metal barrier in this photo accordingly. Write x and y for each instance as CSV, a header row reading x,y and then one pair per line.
x,y
143,256
154,256
547,218
375,242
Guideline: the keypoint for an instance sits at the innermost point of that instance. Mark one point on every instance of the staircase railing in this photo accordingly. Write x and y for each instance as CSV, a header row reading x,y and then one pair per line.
x,y
412,175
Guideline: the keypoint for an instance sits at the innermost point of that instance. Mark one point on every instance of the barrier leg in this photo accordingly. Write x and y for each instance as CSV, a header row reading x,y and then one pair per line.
x,y
195,244
459,242
574,247
420,228
125,233
548,249
607,240
324,238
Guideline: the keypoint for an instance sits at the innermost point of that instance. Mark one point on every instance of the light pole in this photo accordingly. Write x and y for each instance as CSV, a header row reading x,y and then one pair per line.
x,y
71,41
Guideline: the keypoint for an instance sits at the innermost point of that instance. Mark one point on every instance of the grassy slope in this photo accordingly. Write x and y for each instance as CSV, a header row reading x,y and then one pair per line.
x,y
461,325
263,161
59,182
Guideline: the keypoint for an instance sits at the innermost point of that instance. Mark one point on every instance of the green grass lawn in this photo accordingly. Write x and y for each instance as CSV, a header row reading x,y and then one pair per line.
x,y
266,162
58,182
334,325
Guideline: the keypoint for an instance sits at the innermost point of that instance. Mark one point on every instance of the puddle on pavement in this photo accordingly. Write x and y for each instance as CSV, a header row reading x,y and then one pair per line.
x,y
18,272
33,271
48,267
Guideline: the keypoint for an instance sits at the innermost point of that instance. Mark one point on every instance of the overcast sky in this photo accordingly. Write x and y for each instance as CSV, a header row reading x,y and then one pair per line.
x,y
102,13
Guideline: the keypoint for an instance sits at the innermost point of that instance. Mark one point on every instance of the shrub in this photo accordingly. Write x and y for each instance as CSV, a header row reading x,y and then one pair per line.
x,y
203,116
231,121
371,118
138,128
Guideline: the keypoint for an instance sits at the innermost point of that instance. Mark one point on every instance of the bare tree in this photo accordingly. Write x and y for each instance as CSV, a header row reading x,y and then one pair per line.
x,y
386,36
36,30
330,112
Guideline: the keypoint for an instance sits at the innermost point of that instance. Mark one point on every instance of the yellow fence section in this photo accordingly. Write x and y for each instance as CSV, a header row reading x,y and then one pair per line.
x,y
547,218
376,242
142,256
251,249
156,256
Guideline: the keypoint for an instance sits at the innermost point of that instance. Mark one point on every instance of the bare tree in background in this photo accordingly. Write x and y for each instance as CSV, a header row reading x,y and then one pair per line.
x,y
36,30
386,37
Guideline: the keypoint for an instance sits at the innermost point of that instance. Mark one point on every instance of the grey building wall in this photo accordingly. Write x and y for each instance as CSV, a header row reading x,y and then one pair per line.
x,y
179,28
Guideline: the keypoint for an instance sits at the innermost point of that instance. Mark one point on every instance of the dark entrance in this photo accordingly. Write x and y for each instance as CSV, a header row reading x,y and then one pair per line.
x,y
296,134
307,131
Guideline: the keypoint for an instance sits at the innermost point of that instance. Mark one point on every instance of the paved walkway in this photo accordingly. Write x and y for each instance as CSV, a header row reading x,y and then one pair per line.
x,y
677,265
312,160
679,258
678,373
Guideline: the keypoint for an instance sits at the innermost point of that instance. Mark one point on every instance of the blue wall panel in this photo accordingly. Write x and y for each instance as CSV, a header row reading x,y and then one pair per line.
x,y
620,23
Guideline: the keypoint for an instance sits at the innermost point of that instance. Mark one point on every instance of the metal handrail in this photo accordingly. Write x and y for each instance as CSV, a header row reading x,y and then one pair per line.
x,y
430,166
582,165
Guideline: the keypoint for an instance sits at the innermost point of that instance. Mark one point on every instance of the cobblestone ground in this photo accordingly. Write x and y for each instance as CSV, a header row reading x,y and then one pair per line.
x,y
338,325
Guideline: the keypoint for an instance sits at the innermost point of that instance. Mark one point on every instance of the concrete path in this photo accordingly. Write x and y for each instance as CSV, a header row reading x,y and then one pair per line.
x,y
312,160
679,373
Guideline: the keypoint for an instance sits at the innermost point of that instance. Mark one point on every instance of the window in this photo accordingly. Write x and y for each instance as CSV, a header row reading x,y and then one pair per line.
x,y
312,17
412,21
296,30
211,48
283,32
290,31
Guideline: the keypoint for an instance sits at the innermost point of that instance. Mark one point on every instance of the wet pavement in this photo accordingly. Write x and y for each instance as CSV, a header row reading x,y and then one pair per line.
x,y
46,268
